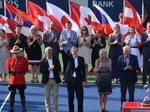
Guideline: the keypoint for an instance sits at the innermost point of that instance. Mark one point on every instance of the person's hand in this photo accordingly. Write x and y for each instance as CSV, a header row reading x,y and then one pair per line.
x,y
115,42
4,41
137,34
100,65
51,38
55,40
107,65
37,38
83,83
84,39
34,39
99,40
68,38
51,67
148,39
129,67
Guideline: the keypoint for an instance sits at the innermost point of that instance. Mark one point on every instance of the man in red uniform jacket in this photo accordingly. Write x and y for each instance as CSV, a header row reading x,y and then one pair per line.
x,y
17,67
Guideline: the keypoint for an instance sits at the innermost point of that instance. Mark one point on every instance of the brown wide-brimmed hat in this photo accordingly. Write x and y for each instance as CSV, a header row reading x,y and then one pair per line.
x,y
16,49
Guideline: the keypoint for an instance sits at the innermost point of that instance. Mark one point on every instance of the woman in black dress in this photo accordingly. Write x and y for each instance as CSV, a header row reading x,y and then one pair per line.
x,y
34,52
97,43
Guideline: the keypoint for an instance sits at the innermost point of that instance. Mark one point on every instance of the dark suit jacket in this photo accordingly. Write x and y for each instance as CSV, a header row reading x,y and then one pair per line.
x,y
145,45
128,75
47,43
80,70
45,71
23,43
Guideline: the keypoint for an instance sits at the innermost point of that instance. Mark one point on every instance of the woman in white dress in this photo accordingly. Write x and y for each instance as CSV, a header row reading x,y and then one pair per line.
x,y
4,54
84,41
133,40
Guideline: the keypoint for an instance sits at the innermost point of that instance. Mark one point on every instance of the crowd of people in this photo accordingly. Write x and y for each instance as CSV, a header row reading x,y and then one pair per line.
x,y
120,63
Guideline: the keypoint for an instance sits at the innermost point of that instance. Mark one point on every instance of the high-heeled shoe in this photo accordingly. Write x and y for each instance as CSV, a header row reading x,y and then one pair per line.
x,y
37,81
1,80
4,80
32,81
102,110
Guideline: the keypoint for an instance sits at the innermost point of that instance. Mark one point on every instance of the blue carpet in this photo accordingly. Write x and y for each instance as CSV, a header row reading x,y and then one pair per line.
x,y
35,98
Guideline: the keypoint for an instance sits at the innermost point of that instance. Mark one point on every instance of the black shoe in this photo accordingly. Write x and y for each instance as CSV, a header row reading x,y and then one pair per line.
x,y
103,110
143,82
64,82
24,110
11,110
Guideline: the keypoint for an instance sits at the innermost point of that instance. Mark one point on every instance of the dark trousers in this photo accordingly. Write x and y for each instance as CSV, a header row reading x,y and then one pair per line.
x,y
149,68
94,57
75,85
20,88
131,88
65,62
145,68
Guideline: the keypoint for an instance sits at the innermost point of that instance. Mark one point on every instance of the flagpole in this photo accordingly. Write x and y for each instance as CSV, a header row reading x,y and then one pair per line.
x,y
26,7
69,7
5,7
123,10
142,10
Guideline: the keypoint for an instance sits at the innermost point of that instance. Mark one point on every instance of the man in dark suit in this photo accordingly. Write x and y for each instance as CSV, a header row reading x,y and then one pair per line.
x,y
50,67
145,51
75,78
149,66
127,65
51,37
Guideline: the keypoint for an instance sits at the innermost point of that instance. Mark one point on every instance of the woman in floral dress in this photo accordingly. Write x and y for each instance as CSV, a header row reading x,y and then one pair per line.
x,y
4,54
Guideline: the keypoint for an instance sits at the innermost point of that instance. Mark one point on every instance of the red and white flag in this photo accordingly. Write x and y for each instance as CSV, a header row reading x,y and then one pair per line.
x,y
41,14
61,16
7,24
84,16
131,17
21,17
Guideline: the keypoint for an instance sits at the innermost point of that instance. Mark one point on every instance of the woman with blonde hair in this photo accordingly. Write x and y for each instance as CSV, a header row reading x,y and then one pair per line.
x,y
34,52
103,69
115,41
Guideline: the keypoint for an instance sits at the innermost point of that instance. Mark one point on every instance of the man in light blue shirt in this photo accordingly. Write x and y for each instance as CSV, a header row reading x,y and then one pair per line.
x,y
69,38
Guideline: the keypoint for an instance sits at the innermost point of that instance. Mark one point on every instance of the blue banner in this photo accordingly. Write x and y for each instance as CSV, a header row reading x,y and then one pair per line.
x,y
112,7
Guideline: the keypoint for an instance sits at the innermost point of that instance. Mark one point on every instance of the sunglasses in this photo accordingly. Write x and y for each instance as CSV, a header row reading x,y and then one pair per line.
x,y
84,30
34,30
